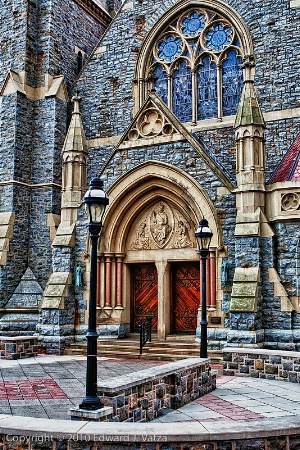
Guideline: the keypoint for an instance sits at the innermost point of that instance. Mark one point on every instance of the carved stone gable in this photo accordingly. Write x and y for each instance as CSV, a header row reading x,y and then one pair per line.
x,y
150,123
161,226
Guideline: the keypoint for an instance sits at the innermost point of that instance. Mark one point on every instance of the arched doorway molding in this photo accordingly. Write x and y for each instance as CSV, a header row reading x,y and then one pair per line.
x,y
145,184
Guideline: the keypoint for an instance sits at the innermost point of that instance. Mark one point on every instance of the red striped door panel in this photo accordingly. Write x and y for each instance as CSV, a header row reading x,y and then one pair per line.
x,y
185,296
144,286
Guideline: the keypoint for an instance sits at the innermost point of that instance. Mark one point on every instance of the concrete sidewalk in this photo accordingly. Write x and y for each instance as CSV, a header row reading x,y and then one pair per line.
x,y
47,386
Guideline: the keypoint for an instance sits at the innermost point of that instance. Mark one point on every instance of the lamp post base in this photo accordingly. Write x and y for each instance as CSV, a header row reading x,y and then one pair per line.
x,y
91,403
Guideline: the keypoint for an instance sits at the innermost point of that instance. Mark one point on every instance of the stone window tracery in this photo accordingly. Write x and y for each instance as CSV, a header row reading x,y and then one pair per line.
x,y
197,64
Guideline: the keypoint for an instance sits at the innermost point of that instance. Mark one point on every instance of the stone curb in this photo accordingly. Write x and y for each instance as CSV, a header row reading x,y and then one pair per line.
x,y
49,429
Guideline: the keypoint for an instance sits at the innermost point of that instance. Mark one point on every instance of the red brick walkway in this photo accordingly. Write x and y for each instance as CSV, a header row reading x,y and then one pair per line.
x,y
30,390
229,410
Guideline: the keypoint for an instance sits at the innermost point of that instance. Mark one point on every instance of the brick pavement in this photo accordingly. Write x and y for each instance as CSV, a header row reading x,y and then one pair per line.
x,y
47,386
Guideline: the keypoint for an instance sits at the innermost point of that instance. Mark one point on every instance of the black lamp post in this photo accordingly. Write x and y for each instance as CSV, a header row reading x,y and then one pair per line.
x,y
203,236
95,201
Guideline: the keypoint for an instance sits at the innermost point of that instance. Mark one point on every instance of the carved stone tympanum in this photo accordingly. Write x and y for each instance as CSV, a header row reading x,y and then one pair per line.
x,y
161,226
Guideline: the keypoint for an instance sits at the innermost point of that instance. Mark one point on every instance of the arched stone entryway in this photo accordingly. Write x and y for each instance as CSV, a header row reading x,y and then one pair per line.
x,y
150,222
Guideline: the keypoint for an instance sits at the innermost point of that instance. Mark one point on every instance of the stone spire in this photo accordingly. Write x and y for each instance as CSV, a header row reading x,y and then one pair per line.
x,y
74,169
250,157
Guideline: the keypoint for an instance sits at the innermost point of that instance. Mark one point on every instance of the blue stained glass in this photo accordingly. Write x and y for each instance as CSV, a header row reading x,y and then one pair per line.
x,y
182,92
192,25
170,48
161,84
218,38
193,45
207,89
232,83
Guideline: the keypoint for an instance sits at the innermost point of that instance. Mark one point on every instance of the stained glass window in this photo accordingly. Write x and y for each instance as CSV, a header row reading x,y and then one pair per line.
x,y
232,82
192,25
203,40
182,92
207,89
170,48
161,83
218,38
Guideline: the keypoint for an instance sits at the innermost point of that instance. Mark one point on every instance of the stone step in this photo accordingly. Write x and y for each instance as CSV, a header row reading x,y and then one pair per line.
x,y
155,351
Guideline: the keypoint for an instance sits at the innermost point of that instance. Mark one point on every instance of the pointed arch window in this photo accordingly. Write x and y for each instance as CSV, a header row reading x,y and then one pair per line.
x,y
197,62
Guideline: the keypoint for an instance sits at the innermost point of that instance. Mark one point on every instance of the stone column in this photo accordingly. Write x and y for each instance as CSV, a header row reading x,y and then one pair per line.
x,y
119,280
108,270
163,280
212,266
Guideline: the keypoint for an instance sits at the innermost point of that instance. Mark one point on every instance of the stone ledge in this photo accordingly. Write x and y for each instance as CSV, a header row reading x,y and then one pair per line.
x,y
261,351
69,431
262,363
132,379
145,395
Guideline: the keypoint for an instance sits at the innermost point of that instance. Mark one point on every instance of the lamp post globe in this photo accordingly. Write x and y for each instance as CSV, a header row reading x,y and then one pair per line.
x,y
203,235
95,201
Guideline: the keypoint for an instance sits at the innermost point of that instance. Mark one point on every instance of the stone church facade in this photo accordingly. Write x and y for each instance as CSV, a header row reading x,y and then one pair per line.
x,y
185,109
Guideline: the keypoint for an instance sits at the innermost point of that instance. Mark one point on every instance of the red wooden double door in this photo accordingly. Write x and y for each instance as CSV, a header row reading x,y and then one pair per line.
x,y
185,295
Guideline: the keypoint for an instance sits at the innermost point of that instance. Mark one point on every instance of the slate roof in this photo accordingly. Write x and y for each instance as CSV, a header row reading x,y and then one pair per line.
x,y
289,167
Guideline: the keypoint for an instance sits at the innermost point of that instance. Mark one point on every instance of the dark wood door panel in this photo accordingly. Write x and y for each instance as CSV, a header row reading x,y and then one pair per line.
x,y
144,282
185,296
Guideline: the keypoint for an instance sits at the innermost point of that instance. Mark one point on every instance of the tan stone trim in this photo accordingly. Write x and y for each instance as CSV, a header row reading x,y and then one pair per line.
x,y
53,221
16,82
294,3
7,220
56,290
127,5
176,126
279,290
65,236
29,186
100,50
244,289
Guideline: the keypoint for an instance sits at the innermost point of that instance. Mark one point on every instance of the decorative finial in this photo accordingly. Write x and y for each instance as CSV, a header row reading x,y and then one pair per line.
x,y
76,99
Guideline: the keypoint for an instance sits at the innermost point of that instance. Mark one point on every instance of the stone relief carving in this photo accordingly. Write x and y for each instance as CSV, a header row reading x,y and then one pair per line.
x,y
141,241
161,224
161,227
182,239
290,201
151,123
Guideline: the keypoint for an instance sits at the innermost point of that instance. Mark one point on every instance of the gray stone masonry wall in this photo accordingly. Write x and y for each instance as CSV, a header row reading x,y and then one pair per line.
x,y
62,26
48,140
221,145
273,317
18,347
17,261
269,364
40,37
287,250
13,25
16,139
